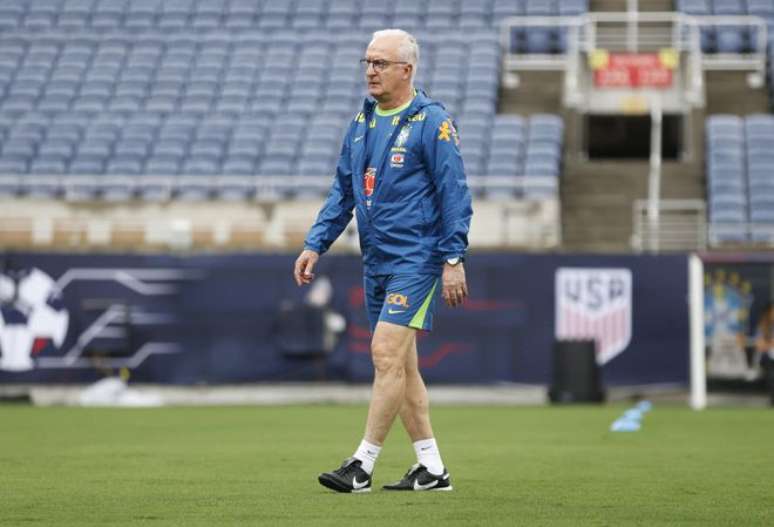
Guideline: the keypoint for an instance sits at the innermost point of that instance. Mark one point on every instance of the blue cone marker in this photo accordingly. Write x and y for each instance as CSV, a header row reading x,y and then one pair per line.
x,y
645,406
625,425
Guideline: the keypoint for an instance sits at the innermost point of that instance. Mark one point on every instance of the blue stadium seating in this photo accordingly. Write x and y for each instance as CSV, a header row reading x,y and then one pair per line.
x,y
207,15
740,184
724,38
195,98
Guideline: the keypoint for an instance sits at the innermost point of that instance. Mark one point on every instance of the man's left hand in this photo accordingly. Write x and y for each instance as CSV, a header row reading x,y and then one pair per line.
x,y
455,289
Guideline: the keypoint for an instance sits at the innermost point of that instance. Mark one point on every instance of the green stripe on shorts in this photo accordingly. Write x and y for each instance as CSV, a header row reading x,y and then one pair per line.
x,y
418,321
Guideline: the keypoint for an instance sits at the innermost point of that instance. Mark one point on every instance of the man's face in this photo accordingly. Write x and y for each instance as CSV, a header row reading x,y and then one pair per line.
x,y
393,77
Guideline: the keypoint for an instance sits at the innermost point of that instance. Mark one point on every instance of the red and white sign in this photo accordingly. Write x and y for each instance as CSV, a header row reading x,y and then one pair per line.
x,y
633,70
595,304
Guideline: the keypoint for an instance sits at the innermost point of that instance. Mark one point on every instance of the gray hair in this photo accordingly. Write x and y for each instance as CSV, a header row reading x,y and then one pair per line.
x,y
408,49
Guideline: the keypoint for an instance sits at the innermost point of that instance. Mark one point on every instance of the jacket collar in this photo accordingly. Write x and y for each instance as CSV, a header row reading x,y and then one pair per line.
x,y
421,100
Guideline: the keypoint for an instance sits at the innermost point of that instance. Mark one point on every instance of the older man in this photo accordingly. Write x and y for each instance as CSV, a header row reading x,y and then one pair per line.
x,y
400,169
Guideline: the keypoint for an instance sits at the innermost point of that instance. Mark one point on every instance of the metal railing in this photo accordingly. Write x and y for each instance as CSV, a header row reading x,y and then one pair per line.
x,y
681,226
539,61
633,32
752,58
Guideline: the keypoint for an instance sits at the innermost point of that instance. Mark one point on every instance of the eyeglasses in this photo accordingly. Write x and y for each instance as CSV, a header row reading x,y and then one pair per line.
x,y
379,65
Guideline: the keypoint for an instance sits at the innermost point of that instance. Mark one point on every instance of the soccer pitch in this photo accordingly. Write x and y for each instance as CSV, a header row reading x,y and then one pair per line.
x,y
259,465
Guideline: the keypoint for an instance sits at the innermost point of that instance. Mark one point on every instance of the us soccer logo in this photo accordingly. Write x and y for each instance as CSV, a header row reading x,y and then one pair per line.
x,y
32,316
595,304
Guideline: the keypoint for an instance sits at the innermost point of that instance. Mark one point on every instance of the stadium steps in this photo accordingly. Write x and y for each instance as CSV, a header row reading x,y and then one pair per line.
x,y
597,196
681,180
537,92
597,199
728,92
607,5
643,5
659,6
685,179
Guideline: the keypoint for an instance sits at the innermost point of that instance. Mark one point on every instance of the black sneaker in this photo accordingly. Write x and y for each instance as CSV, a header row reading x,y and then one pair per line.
x,y
419,478
349,477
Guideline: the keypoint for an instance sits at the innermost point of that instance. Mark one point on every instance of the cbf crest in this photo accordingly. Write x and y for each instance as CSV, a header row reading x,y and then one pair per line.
x,y
595,304
403,136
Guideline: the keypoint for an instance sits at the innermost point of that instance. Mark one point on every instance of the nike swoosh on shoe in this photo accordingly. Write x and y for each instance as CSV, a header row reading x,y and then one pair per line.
x,y
419,486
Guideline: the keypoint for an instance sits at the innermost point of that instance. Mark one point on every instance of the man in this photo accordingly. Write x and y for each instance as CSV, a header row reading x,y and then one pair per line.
x,y
400,168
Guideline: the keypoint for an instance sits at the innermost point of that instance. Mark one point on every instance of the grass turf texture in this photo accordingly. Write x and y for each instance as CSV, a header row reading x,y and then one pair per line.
x,y
259,466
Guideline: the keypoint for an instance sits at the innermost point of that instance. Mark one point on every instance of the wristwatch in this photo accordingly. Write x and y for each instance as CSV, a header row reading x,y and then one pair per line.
x,y
453,261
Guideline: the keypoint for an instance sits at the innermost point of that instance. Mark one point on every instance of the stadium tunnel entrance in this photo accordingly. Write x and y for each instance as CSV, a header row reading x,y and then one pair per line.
x,y
628,136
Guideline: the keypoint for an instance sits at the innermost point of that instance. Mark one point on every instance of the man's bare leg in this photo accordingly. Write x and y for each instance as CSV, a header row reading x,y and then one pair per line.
x,y
390,348
415,415
415,411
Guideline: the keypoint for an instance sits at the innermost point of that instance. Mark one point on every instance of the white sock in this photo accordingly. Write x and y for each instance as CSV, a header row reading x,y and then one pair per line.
x,y
429,456
367,454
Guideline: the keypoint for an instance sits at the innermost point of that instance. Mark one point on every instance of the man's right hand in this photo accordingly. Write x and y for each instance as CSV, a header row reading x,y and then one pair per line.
x,y
305,263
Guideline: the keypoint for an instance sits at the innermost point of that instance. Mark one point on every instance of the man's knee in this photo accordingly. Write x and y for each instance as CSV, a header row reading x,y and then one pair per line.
x,y
387,358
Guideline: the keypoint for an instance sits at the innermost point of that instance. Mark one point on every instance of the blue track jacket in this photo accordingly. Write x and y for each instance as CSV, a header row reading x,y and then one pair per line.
x,y
421,207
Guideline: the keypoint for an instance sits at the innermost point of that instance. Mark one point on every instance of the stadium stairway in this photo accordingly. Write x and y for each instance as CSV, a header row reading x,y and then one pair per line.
x,y
597,199
728,92
597,196
607,5
621,5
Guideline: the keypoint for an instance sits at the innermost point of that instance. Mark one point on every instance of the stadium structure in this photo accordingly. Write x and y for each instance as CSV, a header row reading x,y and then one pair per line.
x,y
137,124
196,128
161,162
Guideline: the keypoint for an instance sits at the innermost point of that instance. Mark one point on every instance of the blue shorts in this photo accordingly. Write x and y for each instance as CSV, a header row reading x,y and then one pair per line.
x,y
403,299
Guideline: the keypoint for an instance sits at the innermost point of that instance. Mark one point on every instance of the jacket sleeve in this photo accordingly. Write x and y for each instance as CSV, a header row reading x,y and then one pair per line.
x,y
442,155
336,212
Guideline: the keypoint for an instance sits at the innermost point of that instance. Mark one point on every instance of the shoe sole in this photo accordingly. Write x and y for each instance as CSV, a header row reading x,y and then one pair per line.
x,y
434,489
333,484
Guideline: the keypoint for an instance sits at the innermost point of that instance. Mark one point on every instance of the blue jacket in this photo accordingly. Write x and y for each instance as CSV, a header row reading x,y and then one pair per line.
x,y
421,206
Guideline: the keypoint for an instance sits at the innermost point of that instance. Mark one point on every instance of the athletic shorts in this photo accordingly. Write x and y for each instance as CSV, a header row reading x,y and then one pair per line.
x,y
403,299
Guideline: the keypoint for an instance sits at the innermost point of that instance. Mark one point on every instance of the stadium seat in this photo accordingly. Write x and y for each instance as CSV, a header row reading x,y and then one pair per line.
x,y
728,7
572,7
236,186
164,162
730,39
239,165
10,168
19,149
278,167
155,186
87,165
188,68
121,166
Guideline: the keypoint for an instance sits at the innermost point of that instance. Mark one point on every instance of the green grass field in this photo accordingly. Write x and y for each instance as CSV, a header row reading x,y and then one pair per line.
x,y
259,466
